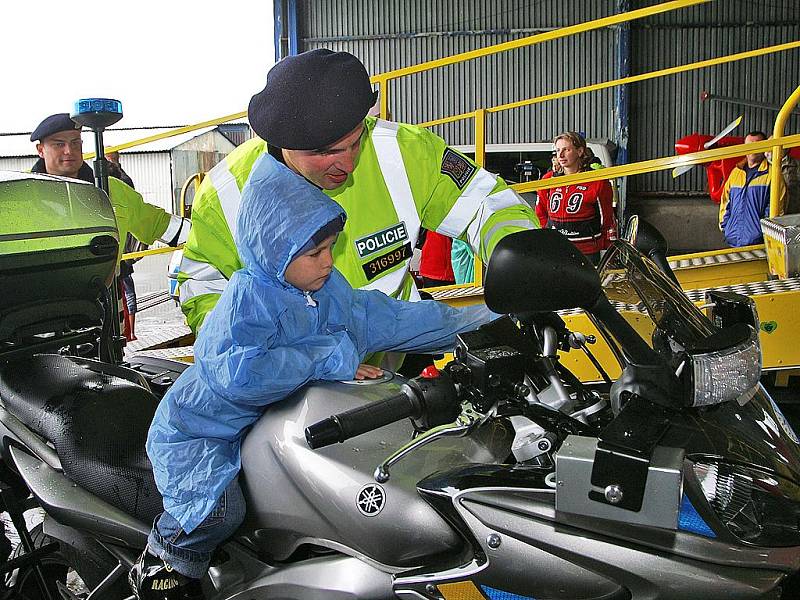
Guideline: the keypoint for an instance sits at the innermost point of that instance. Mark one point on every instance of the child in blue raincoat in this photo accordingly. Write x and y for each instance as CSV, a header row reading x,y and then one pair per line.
x,y
286,319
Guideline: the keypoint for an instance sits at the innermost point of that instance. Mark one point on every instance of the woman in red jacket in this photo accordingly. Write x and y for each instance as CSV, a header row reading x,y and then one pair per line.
x,y
583,212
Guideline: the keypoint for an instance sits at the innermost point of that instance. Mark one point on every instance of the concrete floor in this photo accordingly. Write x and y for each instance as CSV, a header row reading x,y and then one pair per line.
x,y
150,275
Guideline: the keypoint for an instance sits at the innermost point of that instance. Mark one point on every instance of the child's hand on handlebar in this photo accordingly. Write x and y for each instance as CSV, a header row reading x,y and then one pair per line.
x,y
368,372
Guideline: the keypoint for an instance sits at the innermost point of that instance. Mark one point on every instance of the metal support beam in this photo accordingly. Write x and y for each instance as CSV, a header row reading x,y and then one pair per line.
x,y
741,102
775,173
621,105
277,31
294,46
285,28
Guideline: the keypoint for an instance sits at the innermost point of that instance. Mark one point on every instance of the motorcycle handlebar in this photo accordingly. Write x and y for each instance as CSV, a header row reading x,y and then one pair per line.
x,y
349,424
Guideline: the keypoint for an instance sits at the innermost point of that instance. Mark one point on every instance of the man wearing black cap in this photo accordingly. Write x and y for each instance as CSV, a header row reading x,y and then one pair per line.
x,y
391,178
60,148
60,153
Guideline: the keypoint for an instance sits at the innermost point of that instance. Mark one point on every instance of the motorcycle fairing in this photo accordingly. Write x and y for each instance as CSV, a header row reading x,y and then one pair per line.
x,y
516,526
74,506
754,433
570,563
521,495
297,496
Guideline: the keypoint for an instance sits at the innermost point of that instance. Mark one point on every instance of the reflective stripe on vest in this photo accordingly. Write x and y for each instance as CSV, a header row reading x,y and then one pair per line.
x,y
502,225
174,227
495,202
199,270
192,288
467,205
204,279
390,161
228,193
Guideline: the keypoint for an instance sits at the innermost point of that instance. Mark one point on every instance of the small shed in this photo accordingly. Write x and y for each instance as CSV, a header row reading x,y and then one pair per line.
x,y
158,168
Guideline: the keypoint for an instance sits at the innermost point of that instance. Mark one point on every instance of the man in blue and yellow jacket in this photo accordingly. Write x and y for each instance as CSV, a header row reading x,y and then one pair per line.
x,y
745,198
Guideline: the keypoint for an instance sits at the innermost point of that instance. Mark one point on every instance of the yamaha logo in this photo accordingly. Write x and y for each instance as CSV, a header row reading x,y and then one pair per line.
x,y
370,500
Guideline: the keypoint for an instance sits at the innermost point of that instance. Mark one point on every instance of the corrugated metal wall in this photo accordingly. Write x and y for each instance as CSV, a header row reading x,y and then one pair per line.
x,y
389,35
665,109
16,163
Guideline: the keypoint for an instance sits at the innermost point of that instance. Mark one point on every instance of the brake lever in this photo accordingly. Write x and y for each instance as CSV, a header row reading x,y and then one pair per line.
x,y
467,421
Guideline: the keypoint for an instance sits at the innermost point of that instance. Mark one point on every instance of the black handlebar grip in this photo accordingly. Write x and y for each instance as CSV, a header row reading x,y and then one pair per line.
x,y
323,433
349,424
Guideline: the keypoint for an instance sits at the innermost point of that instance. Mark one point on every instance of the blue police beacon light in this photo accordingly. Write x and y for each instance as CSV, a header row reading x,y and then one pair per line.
x,y
97,114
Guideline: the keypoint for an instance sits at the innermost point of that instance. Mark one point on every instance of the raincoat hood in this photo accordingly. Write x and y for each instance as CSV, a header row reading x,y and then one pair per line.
x,y
272,227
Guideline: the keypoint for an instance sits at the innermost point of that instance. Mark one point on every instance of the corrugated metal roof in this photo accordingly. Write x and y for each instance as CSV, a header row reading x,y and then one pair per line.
x,y
114,138
20,145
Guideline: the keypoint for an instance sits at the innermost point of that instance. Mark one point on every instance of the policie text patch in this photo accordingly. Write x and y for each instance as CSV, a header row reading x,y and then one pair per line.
x,y
384,262
375,242
457,168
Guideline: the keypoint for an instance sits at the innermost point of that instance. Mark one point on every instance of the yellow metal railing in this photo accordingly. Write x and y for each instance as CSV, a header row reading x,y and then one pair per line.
x,y
660,164
383,79
702,64
151,251
776,176
168,134
650,165
195,179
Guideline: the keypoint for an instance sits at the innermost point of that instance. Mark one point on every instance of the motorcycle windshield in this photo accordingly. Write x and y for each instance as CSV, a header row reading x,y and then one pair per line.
x,y
749,431
649,301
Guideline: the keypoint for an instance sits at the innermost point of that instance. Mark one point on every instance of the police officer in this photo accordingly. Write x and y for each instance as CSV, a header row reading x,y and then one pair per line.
x,y
391,179
60,150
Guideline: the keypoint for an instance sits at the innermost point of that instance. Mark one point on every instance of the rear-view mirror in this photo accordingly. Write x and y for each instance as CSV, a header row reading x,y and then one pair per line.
x,y
539,270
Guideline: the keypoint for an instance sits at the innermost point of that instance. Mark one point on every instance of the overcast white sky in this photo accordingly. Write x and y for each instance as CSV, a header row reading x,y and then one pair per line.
x,y
170,62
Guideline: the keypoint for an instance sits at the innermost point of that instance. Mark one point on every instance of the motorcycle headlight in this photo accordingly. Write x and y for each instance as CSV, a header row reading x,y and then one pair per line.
x,y
729,374
754,506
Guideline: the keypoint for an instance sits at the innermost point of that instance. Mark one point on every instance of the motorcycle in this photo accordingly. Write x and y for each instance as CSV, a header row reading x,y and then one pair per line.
x,y
500,476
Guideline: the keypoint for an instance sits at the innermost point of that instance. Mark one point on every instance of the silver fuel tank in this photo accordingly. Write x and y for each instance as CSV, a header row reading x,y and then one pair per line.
x,y
328,497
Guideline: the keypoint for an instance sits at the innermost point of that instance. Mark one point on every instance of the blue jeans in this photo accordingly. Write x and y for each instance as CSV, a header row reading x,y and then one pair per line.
x,y
190,553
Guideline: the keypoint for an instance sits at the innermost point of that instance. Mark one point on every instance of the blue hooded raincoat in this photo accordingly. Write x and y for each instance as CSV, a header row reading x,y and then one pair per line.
x,y
266,338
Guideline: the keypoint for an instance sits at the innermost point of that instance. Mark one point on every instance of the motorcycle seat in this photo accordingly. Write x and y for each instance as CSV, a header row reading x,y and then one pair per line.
x,y
97,423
